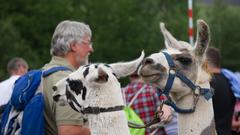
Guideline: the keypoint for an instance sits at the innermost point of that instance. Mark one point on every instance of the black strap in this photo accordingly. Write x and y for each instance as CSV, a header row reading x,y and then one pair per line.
x,y
97,110
171,74
169,60
154,121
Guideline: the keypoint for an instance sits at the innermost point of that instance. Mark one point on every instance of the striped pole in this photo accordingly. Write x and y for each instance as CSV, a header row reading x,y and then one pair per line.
x,y
190,22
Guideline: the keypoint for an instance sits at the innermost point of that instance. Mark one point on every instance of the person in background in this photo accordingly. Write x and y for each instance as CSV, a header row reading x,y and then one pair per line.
x,y
236,115
147,103
70,47
223,98
15,67
236,119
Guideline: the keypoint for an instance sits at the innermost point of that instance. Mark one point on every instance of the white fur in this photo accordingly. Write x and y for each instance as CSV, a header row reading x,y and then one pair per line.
x,y
104,95
193,123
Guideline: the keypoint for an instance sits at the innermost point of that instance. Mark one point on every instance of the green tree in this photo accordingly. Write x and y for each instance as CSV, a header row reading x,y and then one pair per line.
x,y
223,20
121,29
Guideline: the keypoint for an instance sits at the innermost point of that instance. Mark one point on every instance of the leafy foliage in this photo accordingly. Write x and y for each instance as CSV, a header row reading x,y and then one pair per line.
x,y
121,28
224,24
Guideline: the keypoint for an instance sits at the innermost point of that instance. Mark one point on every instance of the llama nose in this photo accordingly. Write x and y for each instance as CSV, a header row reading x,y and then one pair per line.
x,y
147,61
56,98
102,75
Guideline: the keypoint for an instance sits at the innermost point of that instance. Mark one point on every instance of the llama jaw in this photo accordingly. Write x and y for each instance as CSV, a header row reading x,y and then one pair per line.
x,y
151,76
152,72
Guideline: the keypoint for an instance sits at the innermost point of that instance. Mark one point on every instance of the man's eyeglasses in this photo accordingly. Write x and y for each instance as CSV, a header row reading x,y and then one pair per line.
x,y
87,42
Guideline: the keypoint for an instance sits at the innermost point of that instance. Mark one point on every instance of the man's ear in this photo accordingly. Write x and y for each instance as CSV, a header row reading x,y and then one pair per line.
x,y
73,46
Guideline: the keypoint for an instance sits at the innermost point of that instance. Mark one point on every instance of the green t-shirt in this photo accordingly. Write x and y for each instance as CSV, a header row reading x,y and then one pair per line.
x,y
54,114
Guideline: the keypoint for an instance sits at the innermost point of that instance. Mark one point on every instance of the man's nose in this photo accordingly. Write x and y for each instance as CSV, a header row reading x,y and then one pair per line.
x,y
91,50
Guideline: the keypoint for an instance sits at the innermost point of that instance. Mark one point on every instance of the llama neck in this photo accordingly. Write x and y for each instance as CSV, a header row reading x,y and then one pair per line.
x,y
198,122
108,123
201,121
106,96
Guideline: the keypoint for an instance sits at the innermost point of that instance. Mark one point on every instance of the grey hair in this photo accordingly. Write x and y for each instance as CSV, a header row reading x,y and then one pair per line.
x,y
67,32
14,64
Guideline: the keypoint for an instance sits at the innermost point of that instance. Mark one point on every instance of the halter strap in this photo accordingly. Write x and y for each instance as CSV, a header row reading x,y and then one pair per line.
x,y
97,110
173,72
171,75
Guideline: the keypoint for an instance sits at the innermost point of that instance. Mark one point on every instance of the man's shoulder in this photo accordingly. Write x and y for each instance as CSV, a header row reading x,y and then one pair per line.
x,y
9,81
59,75
60,72
4,82
58,61
55,77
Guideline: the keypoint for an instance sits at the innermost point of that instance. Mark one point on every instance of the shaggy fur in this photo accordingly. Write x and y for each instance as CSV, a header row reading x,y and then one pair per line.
x,y
189,61
96,85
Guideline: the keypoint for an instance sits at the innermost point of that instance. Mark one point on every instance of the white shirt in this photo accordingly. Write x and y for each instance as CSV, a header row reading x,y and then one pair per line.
x,y
6,88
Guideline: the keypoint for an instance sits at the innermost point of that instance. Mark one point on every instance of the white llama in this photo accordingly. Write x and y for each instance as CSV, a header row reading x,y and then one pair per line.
x,y
95,91
180,60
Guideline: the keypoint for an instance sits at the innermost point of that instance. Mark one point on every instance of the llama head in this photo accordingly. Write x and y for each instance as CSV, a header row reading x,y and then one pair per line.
x,y
76,89
188,60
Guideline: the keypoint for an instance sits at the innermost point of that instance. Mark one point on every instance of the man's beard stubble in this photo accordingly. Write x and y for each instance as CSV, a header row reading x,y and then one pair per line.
x,y
83,61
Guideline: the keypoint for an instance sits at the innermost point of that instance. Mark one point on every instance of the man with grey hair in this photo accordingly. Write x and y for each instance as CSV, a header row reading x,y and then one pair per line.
x,y
15,67
70,47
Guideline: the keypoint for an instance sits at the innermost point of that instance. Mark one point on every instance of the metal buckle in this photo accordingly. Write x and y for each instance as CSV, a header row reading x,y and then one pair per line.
x,y
172,71
197,90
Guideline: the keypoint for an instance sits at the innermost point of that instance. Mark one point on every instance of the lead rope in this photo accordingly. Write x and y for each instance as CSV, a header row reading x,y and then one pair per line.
x,y
153,124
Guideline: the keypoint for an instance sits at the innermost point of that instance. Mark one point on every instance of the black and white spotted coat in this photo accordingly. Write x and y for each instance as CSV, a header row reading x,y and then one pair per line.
x,y
97,85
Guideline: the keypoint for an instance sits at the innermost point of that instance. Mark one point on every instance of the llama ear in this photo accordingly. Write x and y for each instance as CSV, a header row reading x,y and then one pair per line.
x,y
203,38
170,41
123,69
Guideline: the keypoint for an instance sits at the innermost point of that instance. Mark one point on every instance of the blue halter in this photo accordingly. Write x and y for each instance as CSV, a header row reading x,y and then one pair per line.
x,y
173,72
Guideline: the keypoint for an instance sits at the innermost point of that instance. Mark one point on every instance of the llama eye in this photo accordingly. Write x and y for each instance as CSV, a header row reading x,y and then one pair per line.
x,y
184,60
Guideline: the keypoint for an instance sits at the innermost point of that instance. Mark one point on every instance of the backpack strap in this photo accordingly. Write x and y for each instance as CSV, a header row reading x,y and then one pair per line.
x,y
136,95
55,69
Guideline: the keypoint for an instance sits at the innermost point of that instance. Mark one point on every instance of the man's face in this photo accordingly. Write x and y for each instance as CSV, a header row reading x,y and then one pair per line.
x,y
22,69
82,50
